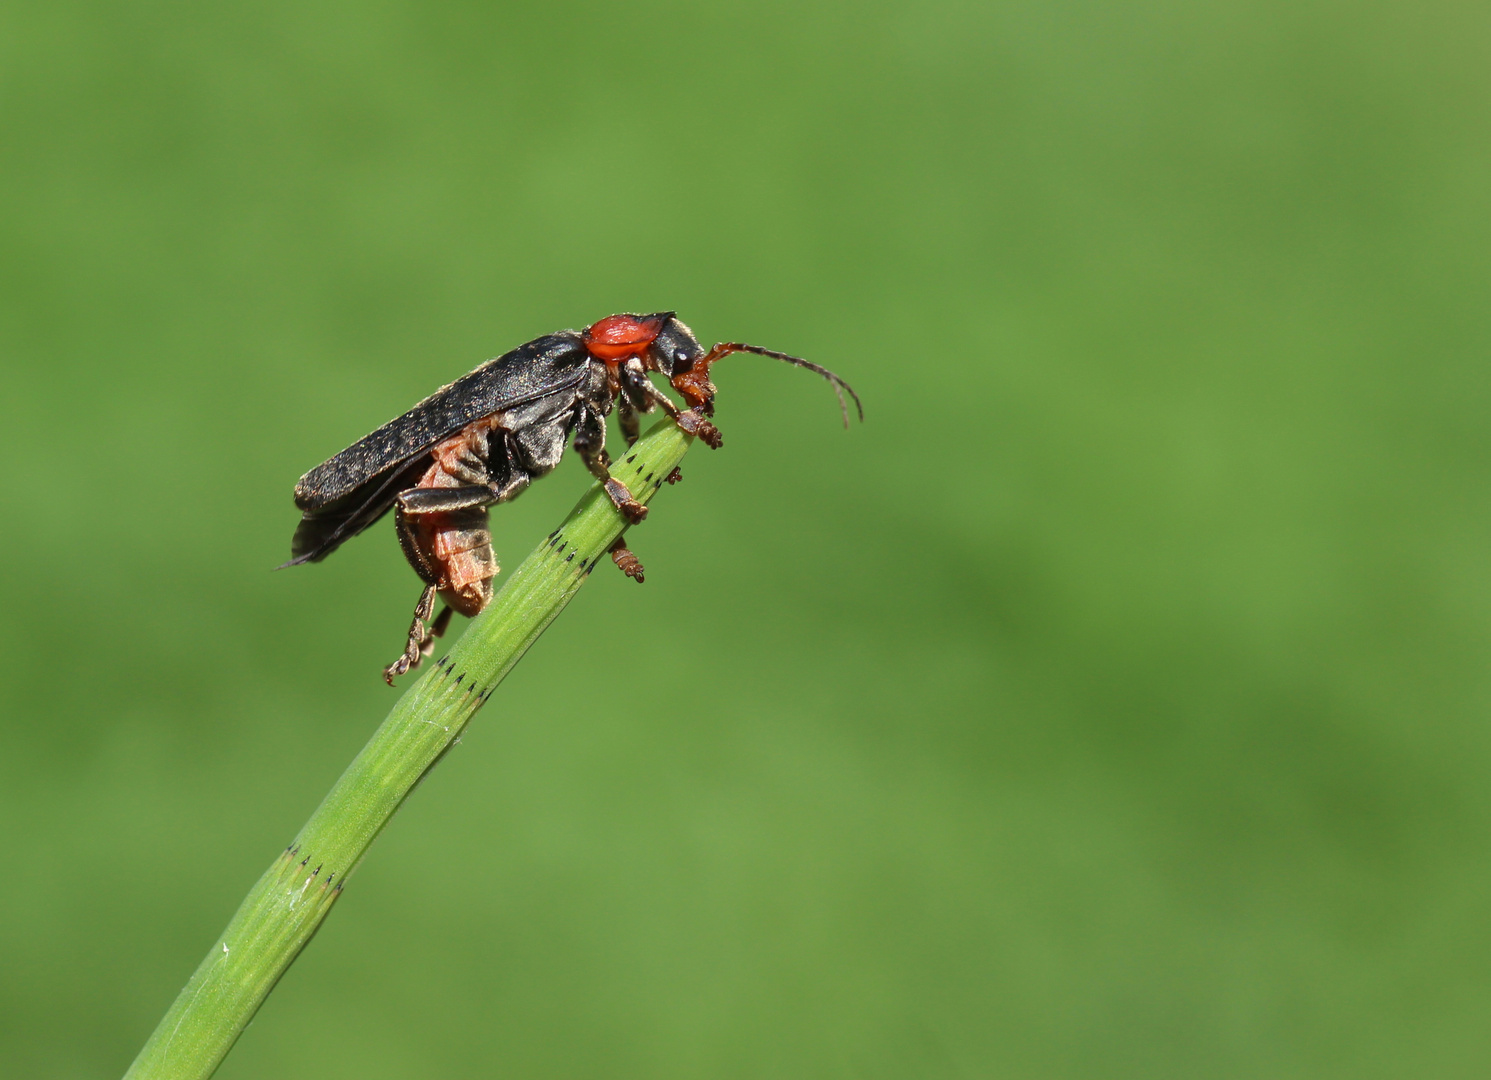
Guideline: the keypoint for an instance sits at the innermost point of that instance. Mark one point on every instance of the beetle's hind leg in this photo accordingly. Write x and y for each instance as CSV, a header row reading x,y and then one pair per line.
x,y
437,629
444,500
420,639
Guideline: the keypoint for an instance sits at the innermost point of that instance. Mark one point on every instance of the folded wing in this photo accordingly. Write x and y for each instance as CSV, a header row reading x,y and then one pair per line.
x,y
345,494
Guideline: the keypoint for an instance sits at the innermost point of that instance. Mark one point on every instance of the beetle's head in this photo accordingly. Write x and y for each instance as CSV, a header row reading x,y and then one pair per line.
x,y
675,350
687,367
676,353
669,347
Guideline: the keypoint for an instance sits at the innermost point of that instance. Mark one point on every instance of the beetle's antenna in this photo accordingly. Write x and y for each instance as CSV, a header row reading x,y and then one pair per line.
x,y
840,386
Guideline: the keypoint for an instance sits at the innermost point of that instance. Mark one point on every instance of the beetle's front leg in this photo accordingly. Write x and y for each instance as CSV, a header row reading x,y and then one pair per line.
x,y
590,444
689,421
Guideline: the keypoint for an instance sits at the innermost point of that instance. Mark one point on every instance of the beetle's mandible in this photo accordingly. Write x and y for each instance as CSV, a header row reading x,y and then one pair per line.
x,y
482,439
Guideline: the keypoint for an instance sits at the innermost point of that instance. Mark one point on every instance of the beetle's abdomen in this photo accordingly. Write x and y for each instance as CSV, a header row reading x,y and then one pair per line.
x,y
464,549
469,564
502,453
455,549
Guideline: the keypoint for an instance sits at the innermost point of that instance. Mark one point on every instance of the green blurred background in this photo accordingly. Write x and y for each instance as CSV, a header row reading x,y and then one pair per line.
x,y
1111,704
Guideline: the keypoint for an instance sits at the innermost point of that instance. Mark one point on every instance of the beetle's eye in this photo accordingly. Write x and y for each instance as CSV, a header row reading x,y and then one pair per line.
x,y
680,356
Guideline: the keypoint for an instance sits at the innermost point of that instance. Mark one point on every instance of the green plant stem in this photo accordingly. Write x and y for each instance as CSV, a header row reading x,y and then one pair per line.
x,y
287,904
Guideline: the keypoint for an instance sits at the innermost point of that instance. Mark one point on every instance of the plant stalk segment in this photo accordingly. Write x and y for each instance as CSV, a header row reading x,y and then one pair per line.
x,y
286,905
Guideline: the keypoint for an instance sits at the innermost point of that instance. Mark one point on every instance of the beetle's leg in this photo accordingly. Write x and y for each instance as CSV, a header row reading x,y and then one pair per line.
x,y
469,471
620,494
692,423
660,399
434,500
654,398
408,506
405,528
625,561
626,416
688,420
414,651
590,444
463,456
437,629
413,502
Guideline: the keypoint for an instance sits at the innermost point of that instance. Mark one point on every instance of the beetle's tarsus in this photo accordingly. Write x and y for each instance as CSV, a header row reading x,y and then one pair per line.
x,y
626,561
674,477
421,640
622,498
690,422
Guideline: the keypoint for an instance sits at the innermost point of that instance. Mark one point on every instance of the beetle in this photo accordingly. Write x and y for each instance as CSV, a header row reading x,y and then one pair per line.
x,y
482,439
